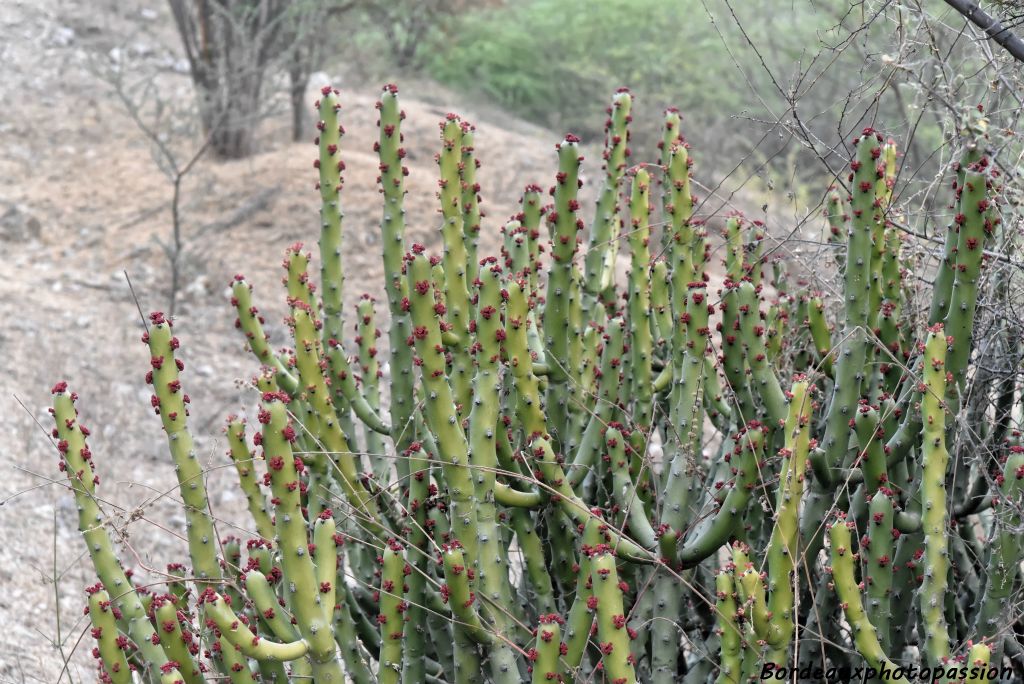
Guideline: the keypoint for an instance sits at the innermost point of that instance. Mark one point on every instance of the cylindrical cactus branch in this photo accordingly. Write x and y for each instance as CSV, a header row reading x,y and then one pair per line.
x,y
849,366
330,166
171,403
440,409
561,332
935,459
245,465
844,580
76,462
471,214
599,266
641,345
455,263
546,652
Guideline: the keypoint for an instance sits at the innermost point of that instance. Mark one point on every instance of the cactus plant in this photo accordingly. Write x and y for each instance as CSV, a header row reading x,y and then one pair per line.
x,y
568,478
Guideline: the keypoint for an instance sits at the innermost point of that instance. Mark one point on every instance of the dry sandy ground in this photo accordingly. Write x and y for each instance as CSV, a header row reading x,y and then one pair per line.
x,y
81,201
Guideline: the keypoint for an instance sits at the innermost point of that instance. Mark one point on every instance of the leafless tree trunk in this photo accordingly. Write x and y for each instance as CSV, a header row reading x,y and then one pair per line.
x,y
230,45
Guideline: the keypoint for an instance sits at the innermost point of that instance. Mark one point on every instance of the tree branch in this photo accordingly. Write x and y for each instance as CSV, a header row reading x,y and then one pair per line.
x,y
991,26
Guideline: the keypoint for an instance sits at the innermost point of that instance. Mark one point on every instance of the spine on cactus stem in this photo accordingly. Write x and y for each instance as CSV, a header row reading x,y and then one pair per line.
x,y
330,166
935,459
599,266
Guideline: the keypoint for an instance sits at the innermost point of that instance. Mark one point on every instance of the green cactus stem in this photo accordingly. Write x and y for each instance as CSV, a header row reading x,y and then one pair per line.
x,y
330,166
843,558
599,266
624,490
470,198
935,458
455,260
878,556
765,381
783,547
239,636
492,568
641,344
313,616
245,465
607,401
546,651
390,617
391,154
333,438
856,287
440,410
250,322
171,402
367,337
561,328
1003,565
741,477
613,638
112,661
727,629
